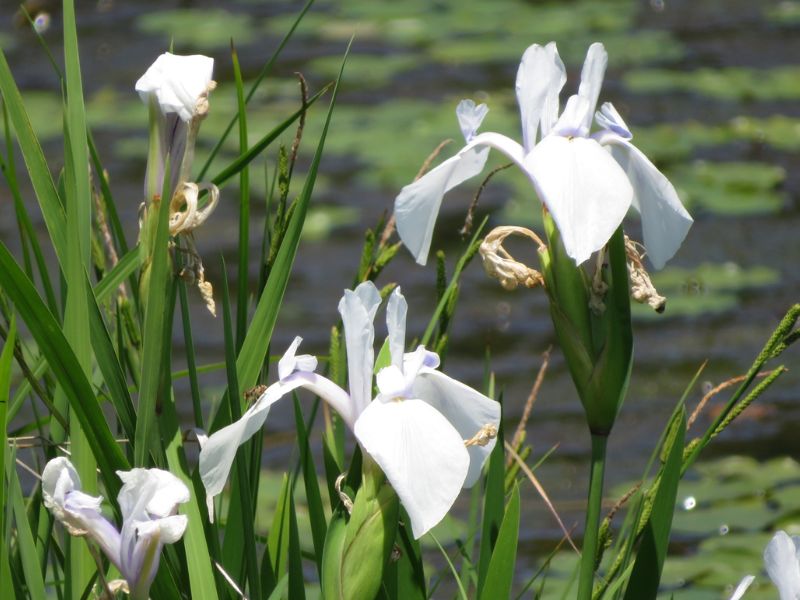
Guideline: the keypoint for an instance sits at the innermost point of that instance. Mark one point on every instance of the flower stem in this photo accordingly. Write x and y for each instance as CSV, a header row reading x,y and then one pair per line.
x,y
590,536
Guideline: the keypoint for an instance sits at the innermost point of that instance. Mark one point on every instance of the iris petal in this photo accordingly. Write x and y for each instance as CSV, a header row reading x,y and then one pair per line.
x,y
584,189
420,452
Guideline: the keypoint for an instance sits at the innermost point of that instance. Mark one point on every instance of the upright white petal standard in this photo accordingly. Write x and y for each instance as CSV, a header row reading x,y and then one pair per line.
x,y
588,193
396,311
540,77
177,83
592,74
421,454
466,409
783,567
470,116
357,308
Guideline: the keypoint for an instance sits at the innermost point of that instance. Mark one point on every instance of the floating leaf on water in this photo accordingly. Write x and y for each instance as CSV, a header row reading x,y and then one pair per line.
x,y
730,188
730,83
202,29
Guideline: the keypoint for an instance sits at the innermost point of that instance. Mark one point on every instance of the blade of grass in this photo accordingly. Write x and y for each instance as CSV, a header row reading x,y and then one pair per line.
x,y
493,508
316,513
125,267
156,320
34,578
472,248
501,566
38,170
22,215
261,75
245,159
244,210
76,315
254,348
6,589
65,367
239,531
649,561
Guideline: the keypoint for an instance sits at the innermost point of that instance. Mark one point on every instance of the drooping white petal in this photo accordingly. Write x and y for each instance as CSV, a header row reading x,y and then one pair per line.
x,y
783,568
357,308
219,451
176,82
470,116
417,205
421,454
584,189
540,77
745,583
465,408
594,69
396,310
665,221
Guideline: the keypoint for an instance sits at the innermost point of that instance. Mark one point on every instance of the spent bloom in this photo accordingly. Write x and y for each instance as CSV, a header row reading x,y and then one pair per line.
x,y
587,181
429,433
148,500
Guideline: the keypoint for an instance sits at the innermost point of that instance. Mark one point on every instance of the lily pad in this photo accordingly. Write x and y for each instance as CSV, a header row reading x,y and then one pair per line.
x,y
706,289
732,83
731,188
202,29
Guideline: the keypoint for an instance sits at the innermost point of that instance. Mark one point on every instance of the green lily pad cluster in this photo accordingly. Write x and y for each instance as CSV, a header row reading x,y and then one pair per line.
x,y
728,84
706,289
199,29
730,188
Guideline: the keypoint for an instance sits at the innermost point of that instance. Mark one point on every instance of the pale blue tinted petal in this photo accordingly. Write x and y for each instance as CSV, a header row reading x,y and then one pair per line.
x,y
540,77
358,308
75,510
665,221
570,123
780,560
745,583
584,189
290,362
594,69
421,454
470,116
396,310
417,205
465,408
608,118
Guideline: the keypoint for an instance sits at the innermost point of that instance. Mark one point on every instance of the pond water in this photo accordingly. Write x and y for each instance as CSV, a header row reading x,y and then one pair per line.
x,y
710,89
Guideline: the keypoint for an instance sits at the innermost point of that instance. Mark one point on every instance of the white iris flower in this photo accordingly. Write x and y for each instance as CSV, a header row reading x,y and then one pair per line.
x,y
148,500
587,189
782,561
430,434
177,83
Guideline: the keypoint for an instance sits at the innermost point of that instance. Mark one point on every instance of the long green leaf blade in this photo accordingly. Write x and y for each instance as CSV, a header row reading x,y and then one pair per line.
x,y
655,538
501,566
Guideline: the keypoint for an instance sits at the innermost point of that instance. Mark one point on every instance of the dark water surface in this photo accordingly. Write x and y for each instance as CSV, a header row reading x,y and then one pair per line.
x,y
712,35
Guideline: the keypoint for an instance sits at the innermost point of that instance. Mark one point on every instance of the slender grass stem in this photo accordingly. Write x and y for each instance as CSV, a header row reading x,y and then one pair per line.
x,y
590,536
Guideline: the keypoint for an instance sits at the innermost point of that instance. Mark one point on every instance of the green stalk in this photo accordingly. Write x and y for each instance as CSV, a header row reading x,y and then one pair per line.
x,y
590,536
